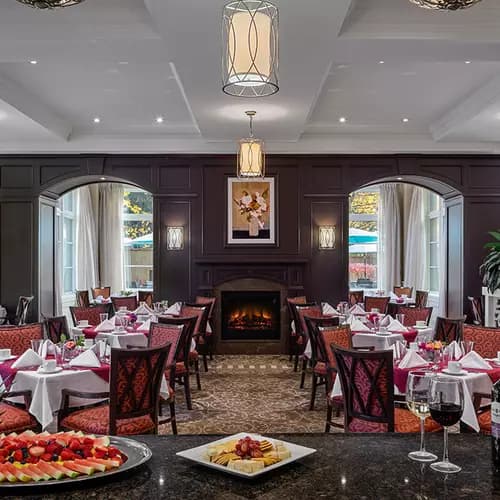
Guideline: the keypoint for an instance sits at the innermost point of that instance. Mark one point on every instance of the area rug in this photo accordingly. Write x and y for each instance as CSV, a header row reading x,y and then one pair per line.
x,y
250,393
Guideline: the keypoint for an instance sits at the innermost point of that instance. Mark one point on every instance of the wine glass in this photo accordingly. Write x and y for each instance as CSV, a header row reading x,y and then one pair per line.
x,y
417,398
446,405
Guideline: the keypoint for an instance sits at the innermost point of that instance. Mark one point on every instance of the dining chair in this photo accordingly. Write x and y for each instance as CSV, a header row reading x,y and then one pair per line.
x,y
15,417
103,291
403,290
380,303
421,297
295,341
414,314
318,359
82,298
56,327
367,381
18,338
179,332
22,309
312,310
146,296
91,314
486,340
132,403
448,329
356,297
210,332
476,314
200,330
130,302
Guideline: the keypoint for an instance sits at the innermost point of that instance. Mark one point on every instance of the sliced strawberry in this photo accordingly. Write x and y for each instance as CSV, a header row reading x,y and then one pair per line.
x,y
18,456
67,455
46,456
36,451
87,452
74,445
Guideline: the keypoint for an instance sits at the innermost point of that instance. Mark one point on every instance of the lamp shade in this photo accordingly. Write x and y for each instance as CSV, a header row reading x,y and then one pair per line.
x,y
250,48
326,237
445,4
251,158
175,238
50,4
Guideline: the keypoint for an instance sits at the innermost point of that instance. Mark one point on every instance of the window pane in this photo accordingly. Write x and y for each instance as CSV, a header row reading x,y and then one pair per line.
x,y
68,230
434,229
68,202
68,280
434,279
434,255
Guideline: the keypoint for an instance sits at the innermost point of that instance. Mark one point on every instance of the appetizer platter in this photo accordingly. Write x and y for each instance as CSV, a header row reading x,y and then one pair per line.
x,y
246,455
31,459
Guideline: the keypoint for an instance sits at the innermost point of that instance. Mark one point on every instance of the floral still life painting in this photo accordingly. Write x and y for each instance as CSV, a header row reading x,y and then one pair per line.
x,y
251,217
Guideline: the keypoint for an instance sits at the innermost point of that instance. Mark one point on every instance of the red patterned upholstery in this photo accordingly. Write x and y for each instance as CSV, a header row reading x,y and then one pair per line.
x,y
13,419
206,301
161,334
380,303
129,302
320,368
340,335
190,311
91,314
313,311
18,338
484,420
486,340
414,314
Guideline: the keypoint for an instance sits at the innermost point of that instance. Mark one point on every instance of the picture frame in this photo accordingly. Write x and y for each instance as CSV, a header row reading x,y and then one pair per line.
x,y
251,217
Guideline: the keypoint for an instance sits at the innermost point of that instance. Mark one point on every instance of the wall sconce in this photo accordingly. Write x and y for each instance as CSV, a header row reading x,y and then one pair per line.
x,y
175,237
326,237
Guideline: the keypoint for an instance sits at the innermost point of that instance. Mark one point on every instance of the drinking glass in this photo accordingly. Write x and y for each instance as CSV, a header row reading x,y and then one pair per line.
x,y
466,346
103,317
446,405
401,318
36,345
417,398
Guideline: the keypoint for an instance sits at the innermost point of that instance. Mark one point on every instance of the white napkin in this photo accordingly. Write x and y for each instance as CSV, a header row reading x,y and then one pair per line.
x,y
48,347
145,326
174,309
396,326
28,358
86,358
99,348
357,309
107,325
385,321
358,326
411,360
327,309
393,296
399,350
143,309
454,350
474,360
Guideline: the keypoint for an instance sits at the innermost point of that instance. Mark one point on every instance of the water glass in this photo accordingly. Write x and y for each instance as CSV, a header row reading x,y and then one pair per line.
x,y
103,317
36,345
401,318
466,346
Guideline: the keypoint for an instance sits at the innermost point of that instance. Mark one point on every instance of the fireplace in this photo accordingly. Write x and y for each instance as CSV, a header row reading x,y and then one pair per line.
x,y
250,316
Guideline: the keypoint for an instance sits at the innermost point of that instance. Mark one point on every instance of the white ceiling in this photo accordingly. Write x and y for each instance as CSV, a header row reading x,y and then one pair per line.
x,y
130,61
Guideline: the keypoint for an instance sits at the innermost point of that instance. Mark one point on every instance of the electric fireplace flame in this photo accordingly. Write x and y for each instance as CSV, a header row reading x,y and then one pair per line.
x,y
250,318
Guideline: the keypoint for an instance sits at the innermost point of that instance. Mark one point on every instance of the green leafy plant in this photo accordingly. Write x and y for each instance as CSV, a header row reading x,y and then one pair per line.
x,y
490,268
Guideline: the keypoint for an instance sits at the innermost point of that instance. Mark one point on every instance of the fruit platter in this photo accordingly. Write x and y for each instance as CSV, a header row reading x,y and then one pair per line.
x,y
246,455
31,459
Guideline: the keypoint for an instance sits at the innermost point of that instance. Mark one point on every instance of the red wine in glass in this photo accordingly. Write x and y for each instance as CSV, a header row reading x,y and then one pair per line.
x,y
446,414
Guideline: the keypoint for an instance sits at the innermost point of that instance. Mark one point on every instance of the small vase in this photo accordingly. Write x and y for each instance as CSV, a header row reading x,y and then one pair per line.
x,y
253,227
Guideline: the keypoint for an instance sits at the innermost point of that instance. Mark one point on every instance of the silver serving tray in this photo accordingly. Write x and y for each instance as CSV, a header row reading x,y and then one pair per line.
x,y
137,454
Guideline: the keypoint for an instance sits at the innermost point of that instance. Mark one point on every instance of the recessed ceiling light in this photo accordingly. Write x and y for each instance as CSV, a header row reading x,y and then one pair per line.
x,y
381,62
468,62
103,178
159,119
405,120
342,119
33,61
399,178
97,120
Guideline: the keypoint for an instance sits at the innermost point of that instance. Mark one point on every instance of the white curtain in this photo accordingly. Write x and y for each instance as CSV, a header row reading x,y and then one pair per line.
x,y
389,248
415,274
111,236
87,269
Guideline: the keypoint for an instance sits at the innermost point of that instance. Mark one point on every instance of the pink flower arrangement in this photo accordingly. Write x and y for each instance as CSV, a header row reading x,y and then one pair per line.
x,y
358,270
132,317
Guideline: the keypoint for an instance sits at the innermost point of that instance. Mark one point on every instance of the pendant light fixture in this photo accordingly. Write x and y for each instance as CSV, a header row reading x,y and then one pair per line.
x,y
50,4
250,48
445,4
251,157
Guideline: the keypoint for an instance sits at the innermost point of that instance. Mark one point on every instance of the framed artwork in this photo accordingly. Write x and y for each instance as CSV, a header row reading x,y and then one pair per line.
x,y
251,214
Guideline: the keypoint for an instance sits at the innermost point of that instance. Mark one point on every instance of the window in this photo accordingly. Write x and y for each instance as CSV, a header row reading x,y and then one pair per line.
x,y
138,238
434,219
363,238
68,228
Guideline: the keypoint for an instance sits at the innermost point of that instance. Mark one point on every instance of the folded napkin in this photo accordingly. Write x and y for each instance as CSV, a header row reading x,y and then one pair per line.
x,y
143,309
474,360
326,308
86,358
411,360
28,358
396,326
108,325
174,309
357,309
99,348
454,350
145,326
398,349
358,326
49,348
393,296
385,321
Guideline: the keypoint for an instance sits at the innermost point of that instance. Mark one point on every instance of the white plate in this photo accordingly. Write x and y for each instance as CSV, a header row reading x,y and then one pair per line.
x,y
461,373
198,454
7,359
45,372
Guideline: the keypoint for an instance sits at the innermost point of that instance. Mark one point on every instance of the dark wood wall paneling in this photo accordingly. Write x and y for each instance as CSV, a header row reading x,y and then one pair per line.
x,y
191,190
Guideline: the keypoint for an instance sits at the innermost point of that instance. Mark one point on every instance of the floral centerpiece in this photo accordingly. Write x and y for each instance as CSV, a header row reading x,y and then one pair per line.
x,y
132,318
372,318
431,350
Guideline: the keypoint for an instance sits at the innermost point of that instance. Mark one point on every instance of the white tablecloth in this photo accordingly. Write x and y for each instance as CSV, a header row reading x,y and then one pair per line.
x,y
378,342
123,339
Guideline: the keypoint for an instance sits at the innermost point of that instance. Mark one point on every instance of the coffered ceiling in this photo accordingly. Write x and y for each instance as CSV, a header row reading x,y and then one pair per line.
x,y
402,78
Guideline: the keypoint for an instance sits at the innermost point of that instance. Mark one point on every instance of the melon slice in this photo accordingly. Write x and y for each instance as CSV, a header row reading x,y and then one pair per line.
x,y
19,474
82,469
110,463
91,462
101,441
35,472
5,471
49,469
67,472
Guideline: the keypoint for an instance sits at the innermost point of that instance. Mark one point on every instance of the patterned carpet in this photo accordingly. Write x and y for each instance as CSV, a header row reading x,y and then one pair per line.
x,y
252,393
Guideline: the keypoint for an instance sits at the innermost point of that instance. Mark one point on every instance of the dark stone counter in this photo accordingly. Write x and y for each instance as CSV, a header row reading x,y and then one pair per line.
x,y
373,466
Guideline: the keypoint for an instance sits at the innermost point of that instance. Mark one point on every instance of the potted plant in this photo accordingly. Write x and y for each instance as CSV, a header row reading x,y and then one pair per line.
x,y
490,271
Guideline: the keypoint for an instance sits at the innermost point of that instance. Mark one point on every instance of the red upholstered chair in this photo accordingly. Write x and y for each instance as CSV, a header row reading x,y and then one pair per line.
x,y
178,332
414,314
200,333
146,296
356,297
133,404
448,330
129,302
295,340
318,359
380,303
18,338
103,291
55,327
209,335
16,418
486,340
91,314
313,310
367,381
421,298
403,290
82,298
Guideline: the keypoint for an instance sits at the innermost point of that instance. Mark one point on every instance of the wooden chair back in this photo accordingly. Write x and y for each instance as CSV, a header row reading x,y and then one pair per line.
x,y
82,298
476,314
55,327
185,326
23,306
103,291
313,329
380,303
129,302
421,297
91,314
448,329
414,314
146,296
313,310
403,290
201,312
356,297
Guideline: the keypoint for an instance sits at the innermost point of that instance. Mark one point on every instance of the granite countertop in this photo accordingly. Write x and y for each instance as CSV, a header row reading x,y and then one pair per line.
x,y
363,466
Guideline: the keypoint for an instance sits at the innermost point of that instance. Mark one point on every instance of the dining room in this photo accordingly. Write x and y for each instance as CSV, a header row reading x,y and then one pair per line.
x,y
234,280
